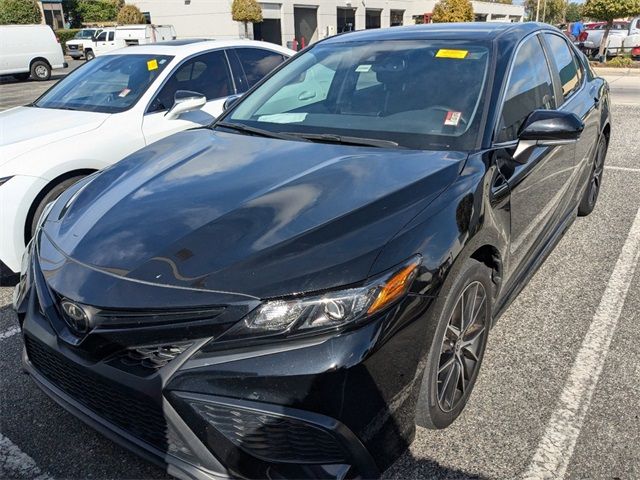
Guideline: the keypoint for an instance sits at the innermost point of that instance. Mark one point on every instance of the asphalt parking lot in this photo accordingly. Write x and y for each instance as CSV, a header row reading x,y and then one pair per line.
x,y
558,395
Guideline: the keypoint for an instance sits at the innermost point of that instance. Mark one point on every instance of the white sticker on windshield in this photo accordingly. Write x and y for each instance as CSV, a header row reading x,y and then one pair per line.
x,y
363,68
124,92
283,118
452,118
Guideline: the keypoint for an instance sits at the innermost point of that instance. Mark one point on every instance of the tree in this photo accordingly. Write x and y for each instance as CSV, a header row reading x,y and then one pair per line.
x,y
95,11
19,12
452,11
246,11
573,12
550,11
608,11
130,15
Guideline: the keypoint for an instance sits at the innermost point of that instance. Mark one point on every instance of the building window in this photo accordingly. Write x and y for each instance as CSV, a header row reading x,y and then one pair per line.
x,y
147,17
480,17
421,19
373,18
346,18
397,18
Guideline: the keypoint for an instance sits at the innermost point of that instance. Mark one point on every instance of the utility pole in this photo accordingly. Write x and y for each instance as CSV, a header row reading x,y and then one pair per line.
x,y
537,10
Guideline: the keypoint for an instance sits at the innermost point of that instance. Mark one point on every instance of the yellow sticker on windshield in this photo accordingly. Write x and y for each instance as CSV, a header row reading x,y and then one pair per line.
x,y
152,65
444,53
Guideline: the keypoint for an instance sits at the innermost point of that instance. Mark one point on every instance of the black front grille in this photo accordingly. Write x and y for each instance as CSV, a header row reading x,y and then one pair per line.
x,y
124,407
272,438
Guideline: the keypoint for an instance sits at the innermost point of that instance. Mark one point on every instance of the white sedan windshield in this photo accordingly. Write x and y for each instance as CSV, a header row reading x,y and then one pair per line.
x,y
108,84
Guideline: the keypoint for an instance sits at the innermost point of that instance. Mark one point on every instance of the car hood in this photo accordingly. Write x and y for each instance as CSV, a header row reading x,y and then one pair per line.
x,y
24,129
244,214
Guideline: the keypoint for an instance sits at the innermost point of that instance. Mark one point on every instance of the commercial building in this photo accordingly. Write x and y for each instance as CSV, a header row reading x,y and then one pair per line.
x,y
304,21
52,13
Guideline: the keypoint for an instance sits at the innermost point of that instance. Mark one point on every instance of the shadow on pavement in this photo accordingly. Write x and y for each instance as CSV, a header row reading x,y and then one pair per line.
x,y
409,467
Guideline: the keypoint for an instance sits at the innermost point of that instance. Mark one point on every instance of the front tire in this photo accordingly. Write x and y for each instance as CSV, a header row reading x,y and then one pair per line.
x,y
89,55
464,313
40,70
590,196
51,195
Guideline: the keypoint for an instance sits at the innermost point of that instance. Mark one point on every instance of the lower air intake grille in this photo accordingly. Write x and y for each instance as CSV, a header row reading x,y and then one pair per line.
x,y
271,437
126,408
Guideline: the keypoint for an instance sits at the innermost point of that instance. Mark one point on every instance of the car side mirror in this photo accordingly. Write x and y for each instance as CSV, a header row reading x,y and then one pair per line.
x,y
551,127
231,101
185,101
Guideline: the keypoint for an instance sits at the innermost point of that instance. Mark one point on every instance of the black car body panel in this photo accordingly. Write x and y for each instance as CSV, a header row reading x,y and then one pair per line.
x,y
170,249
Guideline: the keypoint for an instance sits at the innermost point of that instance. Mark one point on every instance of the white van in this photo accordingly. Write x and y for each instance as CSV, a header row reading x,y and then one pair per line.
x,y
29,50
110,39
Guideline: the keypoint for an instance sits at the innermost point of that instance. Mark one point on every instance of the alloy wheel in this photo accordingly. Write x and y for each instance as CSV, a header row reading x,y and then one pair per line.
x,y
596,175
462,346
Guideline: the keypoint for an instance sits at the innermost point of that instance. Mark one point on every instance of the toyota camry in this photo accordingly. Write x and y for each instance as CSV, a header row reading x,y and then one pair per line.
x,y
289,291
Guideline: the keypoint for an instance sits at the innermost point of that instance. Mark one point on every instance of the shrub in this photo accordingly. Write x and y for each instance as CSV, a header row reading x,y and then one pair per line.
x,y
65,34
130,15
453,11
91,11
246,11
19,12
620,62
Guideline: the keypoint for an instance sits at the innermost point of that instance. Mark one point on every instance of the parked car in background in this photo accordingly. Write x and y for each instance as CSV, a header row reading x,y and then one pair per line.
x,y
631,43
107,109
590,44
82,40
287,293
110,39
29,51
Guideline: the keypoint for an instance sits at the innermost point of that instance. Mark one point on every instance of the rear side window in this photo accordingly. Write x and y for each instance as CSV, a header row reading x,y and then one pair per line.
x,y
530,88
207,74
257,62
566,63
111,35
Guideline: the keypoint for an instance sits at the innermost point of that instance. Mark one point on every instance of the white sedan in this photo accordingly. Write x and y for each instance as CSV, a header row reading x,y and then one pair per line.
x,y
105,110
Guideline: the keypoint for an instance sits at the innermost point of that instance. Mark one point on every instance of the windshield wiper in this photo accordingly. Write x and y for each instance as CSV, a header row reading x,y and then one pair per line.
x,y
240,127
347,140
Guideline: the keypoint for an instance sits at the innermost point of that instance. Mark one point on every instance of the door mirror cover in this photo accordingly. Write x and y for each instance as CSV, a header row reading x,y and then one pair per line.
x,y
551,126
231,101
185,101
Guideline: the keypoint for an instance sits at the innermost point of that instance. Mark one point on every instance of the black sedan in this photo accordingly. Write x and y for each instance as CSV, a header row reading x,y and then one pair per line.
x,y
287,293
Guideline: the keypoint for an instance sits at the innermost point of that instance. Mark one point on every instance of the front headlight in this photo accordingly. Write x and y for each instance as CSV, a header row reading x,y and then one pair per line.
x,y
328,310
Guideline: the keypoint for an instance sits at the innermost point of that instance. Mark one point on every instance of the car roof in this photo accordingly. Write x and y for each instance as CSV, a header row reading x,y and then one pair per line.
x,y
479,31
188,47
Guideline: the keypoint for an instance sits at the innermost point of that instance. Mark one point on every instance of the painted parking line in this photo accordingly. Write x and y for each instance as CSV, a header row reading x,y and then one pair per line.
x,y
556,447
9,333
14,463
623,169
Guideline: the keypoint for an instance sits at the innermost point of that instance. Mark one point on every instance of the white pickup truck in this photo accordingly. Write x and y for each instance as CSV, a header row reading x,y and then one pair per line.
x,y
110,39
83,39
631,43
591,45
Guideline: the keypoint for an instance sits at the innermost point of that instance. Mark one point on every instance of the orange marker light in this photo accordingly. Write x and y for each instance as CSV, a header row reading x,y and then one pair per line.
x,y
394,288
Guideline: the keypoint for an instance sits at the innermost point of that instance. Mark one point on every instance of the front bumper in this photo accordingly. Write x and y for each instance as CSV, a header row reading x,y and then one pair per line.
x,y
340,406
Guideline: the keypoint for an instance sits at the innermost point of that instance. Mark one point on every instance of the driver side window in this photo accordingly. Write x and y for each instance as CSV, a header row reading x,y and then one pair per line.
x,y
530,88
207,74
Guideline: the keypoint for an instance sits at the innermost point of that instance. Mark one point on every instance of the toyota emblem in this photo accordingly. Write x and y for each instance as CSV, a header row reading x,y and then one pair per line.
x,y
75,316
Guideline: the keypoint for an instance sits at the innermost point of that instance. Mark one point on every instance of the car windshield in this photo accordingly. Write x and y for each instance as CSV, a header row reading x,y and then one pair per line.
x,y
85,34
416,94
108,84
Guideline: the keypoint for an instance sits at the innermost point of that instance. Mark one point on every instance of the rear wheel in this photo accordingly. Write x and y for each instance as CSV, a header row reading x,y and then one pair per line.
x,y
458,345
590,196
51,195
40,70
